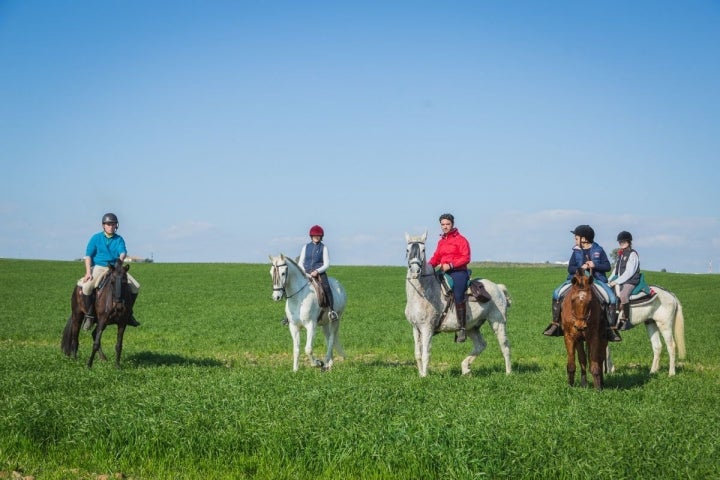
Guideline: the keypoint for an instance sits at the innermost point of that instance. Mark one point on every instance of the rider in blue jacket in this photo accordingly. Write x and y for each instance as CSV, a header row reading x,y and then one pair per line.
x,y
588,255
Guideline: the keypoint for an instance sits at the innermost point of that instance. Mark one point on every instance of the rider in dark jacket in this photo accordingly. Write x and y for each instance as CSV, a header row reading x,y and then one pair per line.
x,y
588,255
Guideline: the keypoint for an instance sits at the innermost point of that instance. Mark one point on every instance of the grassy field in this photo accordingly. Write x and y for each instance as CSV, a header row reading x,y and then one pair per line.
x,y
206,388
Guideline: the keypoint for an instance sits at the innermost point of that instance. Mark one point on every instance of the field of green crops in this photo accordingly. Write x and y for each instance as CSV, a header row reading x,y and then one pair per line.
x,y
206,388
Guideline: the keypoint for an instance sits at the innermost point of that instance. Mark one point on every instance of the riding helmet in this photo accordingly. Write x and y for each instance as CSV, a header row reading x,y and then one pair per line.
x,y
110,218
317,230
585,231
624,236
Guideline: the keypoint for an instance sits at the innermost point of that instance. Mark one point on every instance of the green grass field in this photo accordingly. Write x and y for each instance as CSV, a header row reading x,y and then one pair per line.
x,y
206,388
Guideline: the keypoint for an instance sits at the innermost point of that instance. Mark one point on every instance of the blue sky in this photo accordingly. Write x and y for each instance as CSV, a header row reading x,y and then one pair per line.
x,y
221,131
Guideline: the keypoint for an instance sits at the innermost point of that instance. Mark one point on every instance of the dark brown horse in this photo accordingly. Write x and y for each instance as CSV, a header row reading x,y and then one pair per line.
x,y
584,329
113,305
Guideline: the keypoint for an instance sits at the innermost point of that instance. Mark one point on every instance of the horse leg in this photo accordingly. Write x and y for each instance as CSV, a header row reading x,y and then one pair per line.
x,y
609,366
417,340
596,365
97,336
330,335
310,329
570,367
667,333
500,329
656,344
479,345
295,335
583,360
119,344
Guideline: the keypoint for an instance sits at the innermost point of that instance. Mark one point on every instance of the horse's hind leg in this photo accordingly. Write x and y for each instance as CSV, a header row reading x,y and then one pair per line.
x,y
500,329
656,344
479,345
330,331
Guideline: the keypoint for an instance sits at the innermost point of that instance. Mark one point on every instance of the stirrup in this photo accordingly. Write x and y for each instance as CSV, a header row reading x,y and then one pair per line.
x,y
460,336
332,316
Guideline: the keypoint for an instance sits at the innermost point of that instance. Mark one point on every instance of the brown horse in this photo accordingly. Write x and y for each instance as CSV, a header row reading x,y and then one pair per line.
x,y
113,305
584,329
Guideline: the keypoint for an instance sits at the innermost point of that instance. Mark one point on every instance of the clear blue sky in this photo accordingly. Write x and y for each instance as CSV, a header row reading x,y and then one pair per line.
x,y
220,131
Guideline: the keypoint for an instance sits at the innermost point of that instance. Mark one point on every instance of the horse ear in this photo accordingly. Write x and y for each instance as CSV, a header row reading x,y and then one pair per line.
x,y
424,237
407,238
282,257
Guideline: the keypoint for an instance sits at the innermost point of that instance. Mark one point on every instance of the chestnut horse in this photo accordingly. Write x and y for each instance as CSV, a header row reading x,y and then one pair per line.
x,y
584,329
113,301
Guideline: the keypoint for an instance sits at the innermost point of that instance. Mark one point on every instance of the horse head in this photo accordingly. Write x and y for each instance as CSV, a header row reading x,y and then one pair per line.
x,y
415,254
279,274
581,297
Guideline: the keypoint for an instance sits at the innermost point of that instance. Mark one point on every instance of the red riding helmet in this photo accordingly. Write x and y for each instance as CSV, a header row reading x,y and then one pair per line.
x,y
317,230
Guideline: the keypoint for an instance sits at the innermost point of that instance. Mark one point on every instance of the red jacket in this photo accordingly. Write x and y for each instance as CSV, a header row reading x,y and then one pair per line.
x,y
452,248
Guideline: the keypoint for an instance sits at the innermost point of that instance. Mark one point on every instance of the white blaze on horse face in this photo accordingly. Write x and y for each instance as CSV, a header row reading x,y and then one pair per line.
x,y
416,257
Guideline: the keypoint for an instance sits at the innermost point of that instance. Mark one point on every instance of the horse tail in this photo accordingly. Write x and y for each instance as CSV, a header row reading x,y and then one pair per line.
x,y
66,343
508,298
680,331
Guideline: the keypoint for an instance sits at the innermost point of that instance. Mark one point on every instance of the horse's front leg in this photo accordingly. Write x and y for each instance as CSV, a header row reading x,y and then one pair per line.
x,y
597,360
97,336
295,335
119,344
583,361
309,345
570,367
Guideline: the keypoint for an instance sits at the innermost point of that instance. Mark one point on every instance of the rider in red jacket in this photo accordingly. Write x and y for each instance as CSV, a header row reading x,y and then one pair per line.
x,y
452,256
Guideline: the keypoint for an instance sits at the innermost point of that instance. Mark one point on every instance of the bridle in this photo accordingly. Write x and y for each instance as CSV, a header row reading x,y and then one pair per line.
x,y
585,292
416,257
279,280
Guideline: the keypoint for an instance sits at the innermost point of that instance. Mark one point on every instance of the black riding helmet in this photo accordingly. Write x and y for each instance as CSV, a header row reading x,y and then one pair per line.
x,y
110,218
624,236
585,231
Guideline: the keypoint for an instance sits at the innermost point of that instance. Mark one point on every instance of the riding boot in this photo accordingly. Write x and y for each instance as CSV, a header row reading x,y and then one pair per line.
x,y
332,315
89,305
612,328
460,313
555,329
624,323
133,322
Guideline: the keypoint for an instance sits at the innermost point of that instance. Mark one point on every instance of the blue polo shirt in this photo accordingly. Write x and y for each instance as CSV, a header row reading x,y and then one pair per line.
x,y
103,250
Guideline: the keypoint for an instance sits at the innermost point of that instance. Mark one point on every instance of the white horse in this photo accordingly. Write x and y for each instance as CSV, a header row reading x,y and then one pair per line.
x,y
303,310
426,303
662,315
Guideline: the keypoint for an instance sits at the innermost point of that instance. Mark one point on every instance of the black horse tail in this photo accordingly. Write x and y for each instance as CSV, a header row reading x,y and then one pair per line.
x,y
67,339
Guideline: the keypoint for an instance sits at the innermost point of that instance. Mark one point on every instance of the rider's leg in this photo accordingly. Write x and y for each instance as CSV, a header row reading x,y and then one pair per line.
x,y
555,329
332,315
460,312
89,307
460,280
610,313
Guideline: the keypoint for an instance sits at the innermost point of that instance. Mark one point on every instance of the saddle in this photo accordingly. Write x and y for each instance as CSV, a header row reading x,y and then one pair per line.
x,y
319,291
475,290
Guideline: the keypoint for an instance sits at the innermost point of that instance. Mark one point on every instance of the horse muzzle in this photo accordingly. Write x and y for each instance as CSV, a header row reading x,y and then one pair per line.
x,y
278,294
